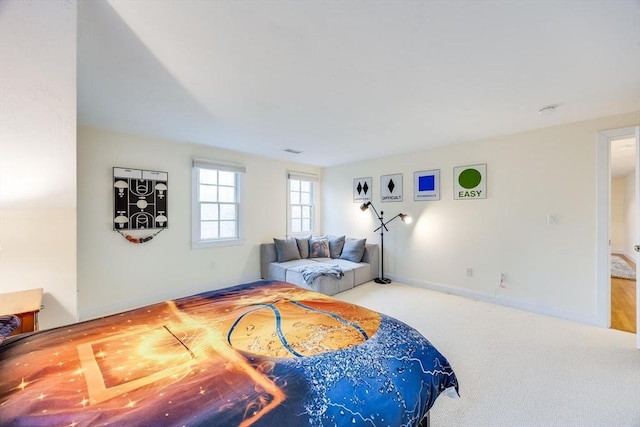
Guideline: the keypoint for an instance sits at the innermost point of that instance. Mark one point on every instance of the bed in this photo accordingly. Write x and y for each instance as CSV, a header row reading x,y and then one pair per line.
x,y
265,353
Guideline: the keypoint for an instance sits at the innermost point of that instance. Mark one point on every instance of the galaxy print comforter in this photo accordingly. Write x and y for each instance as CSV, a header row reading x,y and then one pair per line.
x,y
260,354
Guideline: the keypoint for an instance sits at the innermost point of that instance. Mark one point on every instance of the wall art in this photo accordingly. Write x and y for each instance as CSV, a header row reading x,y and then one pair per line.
x,y
426,185
362,190
391,188
470,182
139,199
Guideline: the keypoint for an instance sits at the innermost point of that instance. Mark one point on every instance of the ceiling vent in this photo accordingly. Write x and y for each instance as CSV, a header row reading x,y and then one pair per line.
x,y
548,109
292,151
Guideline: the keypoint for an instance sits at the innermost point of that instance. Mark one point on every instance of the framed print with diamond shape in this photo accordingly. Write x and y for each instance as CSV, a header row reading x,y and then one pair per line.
x,y
362,190
391,188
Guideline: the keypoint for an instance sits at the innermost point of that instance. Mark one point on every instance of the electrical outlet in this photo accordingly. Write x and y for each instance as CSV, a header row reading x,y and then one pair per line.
x,y
469,271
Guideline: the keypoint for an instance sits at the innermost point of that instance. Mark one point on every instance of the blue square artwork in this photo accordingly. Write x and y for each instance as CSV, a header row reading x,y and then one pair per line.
x,y
427,183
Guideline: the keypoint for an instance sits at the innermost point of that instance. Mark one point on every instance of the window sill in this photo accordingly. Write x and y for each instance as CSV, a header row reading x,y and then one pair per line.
x,y
203,244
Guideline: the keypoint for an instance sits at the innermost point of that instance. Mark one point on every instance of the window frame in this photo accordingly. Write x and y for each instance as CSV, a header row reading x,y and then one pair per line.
x,y
196,226
314,181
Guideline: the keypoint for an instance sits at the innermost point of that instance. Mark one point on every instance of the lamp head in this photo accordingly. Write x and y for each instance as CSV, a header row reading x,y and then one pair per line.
x,y
406,218
364,206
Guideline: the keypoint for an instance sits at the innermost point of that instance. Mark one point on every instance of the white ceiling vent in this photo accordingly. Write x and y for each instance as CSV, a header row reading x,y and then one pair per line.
x,y
292,151
548,109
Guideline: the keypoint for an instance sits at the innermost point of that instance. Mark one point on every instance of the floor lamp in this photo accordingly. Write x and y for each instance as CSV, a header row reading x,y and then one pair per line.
x,y
383,226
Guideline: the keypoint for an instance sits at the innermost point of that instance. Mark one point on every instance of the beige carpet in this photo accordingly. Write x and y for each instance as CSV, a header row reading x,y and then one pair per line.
x,y
517,368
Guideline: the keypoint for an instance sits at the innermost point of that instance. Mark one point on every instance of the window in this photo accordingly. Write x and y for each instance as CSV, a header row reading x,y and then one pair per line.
x,y
301,201
216,206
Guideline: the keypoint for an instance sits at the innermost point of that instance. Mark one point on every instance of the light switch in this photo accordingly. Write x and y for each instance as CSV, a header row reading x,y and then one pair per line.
x,y
552,219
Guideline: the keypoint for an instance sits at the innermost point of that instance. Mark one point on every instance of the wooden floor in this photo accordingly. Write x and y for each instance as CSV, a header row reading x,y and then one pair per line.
x,y
623,302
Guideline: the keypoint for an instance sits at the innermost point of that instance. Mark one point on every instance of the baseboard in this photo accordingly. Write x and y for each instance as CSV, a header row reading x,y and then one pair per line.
x,y
92,312
590,319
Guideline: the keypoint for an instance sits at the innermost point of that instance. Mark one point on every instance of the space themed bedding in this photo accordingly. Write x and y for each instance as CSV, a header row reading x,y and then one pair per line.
x,y
261,354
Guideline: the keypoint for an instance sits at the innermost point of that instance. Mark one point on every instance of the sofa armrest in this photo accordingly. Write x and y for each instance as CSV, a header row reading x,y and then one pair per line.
x,y
268,255
370,253
372,256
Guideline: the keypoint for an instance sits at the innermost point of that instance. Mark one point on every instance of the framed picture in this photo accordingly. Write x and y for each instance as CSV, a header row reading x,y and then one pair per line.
x,y
362,190
391,188
470,182
139,199
426,185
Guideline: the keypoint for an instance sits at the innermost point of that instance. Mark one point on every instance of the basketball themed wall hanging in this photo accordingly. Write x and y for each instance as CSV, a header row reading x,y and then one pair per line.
x,y
139,202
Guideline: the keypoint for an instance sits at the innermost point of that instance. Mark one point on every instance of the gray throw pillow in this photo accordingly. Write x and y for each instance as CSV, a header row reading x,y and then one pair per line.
x,y
335,245
286,250
353,249
303,246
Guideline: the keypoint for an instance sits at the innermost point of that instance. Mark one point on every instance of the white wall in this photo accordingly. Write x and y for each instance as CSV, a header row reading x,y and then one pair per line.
x,y
618,211
38,153
549,268
623,213
630,215
114,274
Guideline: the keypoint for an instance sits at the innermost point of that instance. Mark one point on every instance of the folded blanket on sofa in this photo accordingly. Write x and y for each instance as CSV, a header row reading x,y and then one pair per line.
x,y
310,272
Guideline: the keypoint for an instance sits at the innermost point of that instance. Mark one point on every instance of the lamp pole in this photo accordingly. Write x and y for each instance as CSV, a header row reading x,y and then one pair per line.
x,y
383,226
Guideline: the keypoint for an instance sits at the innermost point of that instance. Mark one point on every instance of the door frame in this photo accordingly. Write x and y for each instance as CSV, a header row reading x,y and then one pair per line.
x,y
603,218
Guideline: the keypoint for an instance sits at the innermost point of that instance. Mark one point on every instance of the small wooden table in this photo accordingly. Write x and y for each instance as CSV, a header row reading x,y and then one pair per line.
x,y
24,304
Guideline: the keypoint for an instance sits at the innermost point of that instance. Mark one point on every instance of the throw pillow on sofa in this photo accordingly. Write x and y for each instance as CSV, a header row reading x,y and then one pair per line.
x,y
335,245
303,246
319,247
287,250
353,249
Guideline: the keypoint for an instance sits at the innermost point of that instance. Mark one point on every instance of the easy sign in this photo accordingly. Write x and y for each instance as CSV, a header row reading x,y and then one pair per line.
x,y
470,182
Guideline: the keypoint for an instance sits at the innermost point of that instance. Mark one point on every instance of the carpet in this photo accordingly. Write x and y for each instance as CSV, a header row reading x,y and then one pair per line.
x,y
620,268
517,369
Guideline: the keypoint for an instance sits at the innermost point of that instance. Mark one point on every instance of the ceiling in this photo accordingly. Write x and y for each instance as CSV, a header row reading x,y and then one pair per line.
x,y
343,81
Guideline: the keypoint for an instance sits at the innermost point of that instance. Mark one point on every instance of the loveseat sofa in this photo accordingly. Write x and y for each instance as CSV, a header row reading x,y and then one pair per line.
x,y
292,259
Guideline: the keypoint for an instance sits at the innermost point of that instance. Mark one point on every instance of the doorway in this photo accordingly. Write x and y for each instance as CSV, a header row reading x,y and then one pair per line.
x,y
622,165
604,221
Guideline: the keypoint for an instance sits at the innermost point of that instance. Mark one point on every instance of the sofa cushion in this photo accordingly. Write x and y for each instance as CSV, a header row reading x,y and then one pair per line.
x,y
319,247
326,284
335,245
287,250
278,270
303,246
361,270
353,249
